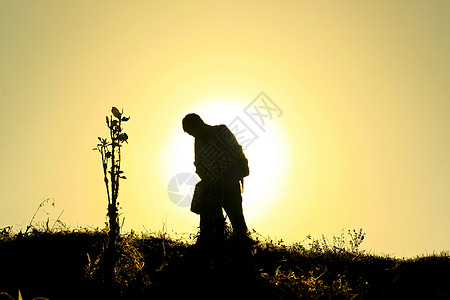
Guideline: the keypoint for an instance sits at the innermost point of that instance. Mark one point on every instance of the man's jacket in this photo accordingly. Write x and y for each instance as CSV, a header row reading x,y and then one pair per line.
x,y
219,157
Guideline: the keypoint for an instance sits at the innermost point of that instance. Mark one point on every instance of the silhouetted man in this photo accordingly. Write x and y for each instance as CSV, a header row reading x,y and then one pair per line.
x,y
221,165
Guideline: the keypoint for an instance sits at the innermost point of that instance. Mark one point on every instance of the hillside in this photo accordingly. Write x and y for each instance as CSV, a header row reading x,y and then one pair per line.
x,y
67,265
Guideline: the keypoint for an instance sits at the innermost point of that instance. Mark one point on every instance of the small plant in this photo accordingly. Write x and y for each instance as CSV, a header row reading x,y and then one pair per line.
x,y
340,243
356,238
111,156
35,226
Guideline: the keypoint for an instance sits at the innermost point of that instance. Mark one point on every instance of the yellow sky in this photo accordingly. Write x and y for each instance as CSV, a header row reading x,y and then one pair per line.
x,y
363,140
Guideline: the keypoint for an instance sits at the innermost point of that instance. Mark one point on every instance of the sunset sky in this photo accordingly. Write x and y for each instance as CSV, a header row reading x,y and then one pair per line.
x,y
361,137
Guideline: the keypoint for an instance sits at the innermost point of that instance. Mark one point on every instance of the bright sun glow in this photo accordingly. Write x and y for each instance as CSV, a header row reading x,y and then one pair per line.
x,y
267,155
362,141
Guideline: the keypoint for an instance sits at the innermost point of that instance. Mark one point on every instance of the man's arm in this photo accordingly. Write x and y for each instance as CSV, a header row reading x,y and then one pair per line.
x,y
198,166
201,162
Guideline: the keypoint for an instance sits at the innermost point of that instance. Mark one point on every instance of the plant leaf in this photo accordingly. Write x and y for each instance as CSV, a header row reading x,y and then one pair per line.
x,y
124,119
116,112
123,177
123,137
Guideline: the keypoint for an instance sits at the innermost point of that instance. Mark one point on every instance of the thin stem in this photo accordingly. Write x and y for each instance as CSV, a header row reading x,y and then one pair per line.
x,y
118,165
113,143
105,171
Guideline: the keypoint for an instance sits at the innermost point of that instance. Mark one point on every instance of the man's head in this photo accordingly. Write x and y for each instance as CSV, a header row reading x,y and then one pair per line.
x,y
192,124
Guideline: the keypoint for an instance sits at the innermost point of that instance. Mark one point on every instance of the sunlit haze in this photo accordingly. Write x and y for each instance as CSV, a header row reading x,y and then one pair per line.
x,y
360,138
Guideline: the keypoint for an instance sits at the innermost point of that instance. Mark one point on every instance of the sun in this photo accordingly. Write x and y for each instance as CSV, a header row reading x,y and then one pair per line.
x,y
266,151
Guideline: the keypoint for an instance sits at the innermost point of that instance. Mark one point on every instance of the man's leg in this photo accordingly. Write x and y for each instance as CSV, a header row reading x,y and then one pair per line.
x,y
212,223
232,203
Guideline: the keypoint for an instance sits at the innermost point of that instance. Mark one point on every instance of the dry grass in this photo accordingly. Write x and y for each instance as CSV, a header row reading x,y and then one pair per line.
x,y
68,265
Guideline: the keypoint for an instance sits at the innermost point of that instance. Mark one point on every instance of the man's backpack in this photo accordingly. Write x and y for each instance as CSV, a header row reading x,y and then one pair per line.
x,y
243,164
228,139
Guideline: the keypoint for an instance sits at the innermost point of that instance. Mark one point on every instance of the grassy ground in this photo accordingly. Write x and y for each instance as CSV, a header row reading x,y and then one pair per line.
x,y
68,265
